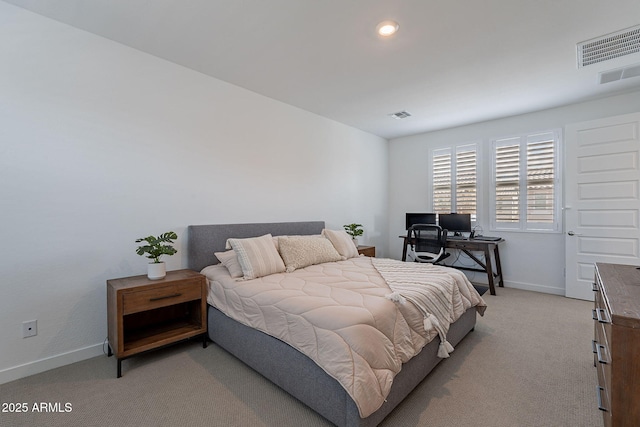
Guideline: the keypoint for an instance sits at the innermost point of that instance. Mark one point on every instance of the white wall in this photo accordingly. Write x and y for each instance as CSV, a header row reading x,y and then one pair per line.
x,y
101,144
533,261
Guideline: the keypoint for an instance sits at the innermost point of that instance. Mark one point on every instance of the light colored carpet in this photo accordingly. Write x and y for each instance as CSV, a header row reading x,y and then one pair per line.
x,y
528,363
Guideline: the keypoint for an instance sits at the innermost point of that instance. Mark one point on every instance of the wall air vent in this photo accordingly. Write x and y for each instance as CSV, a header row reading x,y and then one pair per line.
x,y
401,115
610,46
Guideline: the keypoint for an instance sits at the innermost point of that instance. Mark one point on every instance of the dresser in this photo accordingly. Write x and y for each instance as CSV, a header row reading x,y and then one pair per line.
x,y
616,344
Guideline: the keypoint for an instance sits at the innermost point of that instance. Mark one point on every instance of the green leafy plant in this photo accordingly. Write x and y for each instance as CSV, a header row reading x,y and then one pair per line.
x,y
353,230
156,246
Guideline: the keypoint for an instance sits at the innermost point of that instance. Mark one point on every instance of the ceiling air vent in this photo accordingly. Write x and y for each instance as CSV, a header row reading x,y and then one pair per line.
x,y
610,46
619,74
401,115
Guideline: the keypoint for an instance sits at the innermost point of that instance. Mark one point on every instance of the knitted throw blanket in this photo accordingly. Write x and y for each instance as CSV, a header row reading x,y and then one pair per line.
x,y
434,290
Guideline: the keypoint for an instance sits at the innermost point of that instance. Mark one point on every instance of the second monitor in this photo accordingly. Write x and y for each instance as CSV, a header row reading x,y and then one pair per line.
x,y
420,218
455,223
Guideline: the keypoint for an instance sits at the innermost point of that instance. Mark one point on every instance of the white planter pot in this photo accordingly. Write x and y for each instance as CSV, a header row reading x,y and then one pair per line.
x,y
156,270
355,242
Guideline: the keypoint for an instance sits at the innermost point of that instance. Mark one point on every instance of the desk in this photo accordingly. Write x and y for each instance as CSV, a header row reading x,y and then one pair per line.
x,y
468,247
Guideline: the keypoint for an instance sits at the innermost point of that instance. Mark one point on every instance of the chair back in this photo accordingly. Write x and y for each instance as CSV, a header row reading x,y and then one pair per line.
x,y
428,242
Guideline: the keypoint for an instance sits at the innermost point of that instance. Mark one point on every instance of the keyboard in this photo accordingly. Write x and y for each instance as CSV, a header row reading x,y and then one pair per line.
x,y
487,238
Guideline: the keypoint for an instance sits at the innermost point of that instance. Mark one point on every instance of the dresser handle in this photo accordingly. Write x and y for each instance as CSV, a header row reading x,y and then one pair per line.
x,y
594,344
599,315
599,391
600,358
165,297
594,287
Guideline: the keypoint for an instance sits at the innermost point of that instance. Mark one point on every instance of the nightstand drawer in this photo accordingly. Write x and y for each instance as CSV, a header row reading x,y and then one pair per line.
x,y
161,296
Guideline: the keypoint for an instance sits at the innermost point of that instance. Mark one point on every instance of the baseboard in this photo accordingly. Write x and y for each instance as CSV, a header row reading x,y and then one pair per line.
x,y
525,287
534,288
37,366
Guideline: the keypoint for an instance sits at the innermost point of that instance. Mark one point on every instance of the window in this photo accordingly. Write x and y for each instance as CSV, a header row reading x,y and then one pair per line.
x,y
525,191
454,171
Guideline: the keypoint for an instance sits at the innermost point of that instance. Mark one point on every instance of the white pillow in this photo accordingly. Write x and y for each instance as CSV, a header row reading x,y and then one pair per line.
x,y
257,256
342,242
301,251
230,260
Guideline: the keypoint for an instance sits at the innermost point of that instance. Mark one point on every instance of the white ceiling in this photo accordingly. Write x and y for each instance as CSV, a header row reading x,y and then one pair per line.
x,y
452,62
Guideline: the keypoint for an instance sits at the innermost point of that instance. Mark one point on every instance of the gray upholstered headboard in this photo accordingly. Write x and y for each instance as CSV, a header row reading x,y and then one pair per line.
x,y
204,240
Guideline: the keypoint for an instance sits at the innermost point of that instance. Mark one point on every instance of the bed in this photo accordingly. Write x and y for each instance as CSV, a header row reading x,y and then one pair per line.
x,y
286,366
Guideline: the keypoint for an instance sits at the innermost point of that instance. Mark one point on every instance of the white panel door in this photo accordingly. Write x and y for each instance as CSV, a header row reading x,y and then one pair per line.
x,y
602,198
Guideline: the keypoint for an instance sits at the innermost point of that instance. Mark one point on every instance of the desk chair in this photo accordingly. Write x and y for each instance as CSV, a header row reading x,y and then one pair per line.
x,y
428,242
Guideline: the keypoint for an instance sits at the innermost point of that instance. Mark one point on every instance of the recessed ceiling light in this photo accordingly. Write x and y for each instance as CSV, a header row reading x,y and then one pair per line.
x,y
387,28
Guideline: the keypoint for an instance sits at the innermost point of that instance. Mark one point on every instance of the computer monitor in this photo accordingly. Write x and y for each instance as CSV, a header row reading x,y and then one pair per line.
x,y
420,218
455,223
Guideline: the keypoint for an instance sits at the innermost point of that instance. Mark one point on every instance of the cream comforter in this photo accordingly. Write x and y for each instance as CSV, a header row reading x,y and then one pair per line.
x,y
339,314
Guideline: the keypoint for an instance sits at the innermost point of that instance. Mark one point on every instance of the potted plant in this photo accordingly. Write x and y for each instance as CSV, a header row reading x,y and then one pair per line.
x,y
354,230
154,249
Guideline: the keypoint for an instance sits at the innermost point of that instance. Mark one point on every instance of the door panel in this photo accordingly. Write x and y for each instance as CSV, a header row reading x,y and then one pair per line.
x,y
602,198
607,246
609,162
623,218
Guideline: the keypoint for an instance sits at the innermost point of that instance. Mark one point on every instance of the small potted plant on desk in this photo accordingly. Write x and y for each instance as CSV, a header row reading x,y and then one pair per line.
x,y
354,230
155,248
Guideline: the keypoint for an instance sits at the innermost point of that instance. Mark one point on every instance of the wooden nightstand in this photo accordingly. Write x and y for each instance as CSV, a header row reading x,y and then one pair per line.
x,y
367,250
147,314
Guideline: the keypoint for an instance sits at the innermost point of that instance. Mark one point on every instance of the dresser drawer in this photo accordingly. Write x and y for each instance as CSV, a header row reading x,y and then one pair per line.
x,y
602,320
161,296
603,364
601,334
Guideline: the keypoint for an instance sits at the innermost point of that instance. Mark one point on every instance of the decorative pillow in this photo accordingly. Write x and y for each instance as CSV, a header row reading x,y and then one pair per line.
x,y
276,239
257,256
342,242
230,260
301,251
317,236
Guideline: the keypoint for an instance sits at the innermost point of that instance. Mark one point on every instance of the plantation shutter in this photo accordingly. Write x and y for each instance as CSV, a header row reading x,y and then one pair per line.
x,y
454,179
540,178
442,191
507,180
525,194
466,181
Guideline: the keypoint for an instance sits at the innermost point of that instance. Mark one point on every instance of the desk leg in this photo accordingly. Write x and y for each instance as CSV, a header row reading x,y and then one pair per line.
x,y
404,250
489,268
496,255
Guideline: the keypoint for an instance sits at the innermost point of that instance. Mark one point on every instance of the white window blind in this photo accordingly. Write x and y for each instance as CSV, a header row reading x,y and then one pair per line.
x,y
454,179
525,192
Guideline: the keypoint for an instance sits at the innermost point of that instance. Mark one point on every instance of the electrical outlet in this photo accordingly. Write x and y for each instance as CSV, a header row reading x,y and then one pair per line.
x,y
29,328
